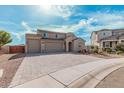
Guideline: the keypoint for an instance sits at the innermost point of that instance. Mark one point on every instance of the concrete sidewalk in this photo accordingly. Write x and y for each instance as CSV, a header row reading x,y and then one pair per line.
x,y
113,80
83,75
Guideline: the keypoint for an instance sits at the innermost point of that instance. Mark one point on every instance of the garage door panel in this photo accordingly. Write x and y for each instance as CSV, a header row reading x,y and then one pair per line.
x,y
54,47
33,46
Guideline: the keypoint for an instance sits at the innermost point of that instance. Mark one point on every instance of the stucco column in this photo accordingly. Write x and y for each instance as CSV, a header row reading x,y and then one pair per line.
x,y
26,46
101,44
113,44
119,41
67,47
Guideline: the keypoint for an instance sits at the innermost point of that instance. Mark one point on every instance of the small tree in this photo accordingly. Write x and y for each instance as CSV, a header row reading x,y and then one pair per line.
x,y
5,38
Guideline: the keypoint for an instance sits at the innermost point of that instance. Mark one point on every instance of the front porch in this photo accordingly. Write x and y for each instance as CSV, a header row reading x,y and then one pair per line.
x,y
110,43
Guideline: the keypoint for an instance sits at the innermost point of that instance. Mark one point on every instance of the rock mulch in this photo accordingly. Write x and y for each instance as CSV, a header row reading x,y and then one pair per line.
x,y
9,69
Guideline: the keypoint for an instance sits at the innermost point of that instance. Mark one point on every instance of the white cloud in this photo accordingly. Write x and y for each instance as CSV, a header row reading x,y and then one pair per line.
x,y
27,27
96,21
116,25
57,10
105,20
91,20
63,11
83,23
18,35
11,25
65,28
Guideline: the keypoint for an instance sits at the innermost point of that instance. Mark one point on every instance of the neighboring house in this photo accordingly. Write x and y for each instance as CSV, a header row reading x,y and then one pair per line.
x,y
107,38
47,41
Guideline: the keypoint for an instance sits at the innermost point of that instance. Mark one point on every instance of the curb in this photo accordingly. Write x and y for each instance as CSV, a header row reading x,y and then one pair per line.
x,y
96,76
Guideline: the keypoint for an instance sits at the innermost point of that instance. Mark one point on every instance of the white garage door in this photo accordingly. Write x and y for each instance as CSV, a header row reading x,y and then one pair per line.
x,y
33,46
54,47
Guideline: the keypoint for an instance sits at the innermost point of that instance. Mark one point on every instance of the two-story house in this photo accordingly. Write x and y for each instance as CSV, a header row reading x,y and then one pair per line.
x,y
47,41
107,38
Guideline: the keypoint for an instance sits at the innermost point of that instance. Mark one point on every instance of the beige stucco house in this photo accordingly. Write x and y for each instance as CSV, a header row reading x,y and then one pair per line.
x,y
47,41
107,38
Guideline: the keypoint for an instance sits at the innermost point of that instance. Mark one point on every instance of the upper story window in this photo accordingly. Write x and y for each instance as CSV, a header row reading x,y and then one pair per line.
x,y
113,33
45,35
104,34
56,36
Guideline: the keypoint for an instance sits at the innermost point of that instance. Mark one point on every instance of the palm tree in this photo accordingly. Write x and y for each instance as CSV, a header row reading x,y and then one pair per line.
x,y
5,38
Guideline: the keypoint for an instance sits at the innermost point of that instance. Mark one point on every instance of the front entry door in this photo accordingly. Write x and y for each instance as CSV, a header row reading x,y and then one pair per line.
x,y
70,46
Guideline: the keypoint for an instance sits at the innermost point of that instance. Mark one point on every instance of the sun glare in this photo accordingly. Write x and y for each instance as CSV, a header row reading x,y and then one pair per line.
x,y
46,7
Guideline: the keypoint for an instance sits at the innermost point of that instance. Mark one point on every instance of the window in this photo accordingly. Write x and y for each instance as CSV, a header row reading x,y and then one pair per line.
x,y
56,36
45,35
107,44
110,44
113,33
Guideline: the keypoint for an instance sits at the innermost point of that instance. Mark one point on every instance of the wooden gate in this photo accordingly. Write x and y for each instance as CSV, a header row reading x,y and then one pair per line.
x,y
17,49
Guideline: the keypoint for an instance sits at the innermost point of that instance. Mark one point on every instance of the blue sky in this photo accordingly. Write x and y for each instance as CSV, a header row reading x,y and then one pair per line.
x,y
81,20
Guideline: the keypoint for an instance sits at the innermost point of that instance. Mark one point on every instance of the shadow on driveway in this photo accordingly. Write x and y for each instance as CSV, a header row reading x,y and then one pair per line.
x,y
16,56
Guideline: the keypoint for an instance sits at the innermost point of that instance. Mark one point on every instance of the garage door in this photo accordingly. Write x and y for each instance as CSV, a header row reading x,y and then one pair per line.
x,y
54,47
33,46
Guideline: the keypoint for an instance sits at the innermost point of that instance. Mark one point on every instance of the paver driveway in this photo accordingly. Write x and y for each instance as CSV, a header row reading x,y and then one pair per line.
x,y
37,65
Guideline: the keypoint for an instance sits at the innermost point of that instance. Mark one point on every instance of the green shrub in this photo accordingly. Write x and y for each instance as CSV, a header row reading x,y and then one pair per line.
x,y
103,49
108,50
100,52
119,52
120,47
95,50
92,47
